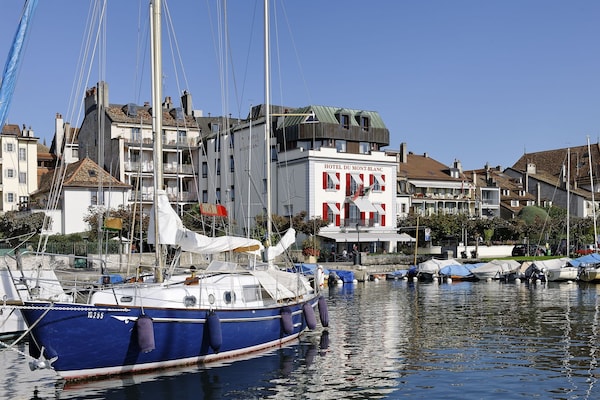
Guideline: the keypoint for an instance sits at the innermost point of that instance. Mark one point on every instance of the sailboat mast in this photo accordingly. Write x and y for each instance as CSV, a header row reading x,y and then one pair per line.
x,y
156,54
268,119
568,250
593,200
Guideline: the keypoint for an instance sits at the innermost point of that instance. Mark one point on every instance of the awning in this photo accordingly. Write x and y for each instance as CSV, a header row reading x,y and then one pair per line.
x,y
379,178
356,177
367,236
379,209
364,205
437,184
333,178
334,208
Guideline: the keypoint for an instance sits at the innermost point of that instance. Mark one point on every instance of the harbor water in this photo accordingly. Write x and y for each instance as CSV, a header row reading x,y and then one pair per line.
x,y
389,339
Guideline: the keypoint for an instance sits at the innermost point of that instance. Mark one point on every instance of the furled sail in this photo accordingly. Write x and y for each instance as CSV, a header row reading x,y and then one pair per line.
x,y
172,232
13,61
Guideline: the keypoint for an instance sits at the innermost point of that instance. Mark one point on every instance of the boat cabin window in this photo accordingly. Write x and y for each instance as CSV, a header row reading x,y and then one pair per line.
x,y
229,297
251,293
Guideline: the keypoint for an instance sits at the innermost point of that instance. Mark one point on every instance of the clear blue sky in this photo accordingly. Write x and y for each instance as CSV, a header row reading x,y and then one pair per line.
x,y
478,81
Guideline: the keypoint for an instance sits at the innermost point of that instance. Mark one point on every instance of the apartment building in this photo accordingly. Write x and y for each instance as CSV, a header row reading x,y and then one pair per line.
x,y
18,164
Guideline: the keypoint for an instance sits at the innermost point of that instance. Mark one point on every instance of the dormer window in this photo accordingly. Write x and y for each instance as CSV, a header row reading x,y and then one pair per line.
x,y
92,173
364,123
345,121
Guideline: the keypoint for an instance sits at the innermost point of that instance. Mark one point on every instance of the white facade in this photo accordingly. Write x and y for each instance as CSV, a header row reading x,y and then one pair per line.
x,y
78,202
18,169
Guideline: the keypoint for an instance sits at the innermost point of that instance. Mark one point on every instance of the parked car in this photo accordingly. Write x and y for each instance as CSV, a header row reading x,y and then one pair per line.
x,y
531,250
519,250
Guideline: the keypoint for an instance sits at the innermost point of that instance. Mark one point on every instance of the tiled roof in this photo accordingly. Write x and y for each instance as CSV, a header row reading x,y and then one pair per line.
x,y
550,162
424,167
83,173
119,113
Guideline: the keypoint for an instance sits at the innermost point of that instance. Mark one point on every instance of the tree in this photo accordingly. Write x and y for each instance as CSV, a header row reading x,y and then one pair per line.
x,y
15,224
125,213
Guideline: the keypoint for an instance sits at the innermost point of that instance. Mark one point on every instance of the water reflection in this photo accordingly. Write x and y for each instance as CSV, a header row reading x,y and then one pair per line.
x,y
394,339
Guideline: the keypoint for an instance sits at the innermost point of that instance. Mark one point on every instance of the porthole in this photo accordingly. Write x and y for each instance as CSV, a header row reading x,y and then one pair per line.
x,y
229,297
126,299
211,298
189,301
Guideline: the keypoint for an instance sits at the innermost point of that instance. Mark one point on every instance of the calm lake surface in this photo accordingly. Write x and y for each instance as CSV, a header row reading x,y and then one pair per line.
x,y
390,339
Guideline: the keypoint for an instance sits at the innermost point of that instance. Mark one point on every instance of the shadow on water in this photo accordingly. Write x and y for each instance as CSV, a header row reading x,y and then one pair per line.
x,y
255,376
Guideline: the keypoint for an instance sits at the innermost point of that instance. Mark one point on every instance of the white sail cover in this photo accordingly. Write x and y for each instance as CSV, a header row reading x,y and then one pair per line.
x,y
172,232
286,241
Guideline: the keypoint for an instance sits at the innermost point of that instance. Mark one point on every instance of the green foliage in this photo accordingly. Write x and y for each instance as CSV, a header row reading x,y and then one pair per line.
x,y
533,215
15,223
125,213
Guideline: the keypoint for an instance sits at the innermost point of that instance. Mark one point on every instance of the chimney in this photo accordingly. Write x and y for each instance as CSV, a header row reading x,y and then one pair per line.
x,y
458,166
186,103
403,156
168,104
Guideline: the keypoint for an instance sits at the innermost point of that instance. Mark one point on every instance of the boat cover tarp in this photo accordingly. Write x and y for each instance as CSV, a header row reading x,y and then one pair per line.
x,y
433,265
280,284
588,259
463,270
308,268
497,266
345,276
555,263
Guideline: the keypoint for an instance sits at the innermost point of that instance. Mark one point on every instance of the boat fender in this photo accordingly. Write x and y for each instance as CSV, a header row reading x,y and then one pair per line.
x,y
323,312
215,338
309,316
286,321
145,333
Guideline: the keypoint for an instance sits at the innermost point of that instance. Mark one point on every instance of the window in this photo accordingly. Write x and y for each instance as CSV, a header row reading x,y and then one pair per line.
x,y
10,147
514,203
217,144
205,196
377,182
204,169
10,197
232,193
331,180
136,135
274,153
354,182
10,173
231,164
218,166
364,123
231,142
218,195
345,121
363,147
340,146
22,154
75,153
181,137
22,177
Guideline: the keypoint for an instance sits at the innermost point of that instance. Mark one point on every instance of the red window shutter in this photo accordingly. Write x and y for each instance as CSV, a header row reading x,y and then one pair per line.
x,y
371,180
383,186
348,193
337,187
383,216
337,217
325,211
324,180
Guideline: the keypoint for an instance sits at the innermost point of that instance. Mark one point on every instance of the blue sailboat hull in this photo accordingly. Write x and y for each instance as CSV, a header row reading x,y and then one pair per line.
x,y
91,341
